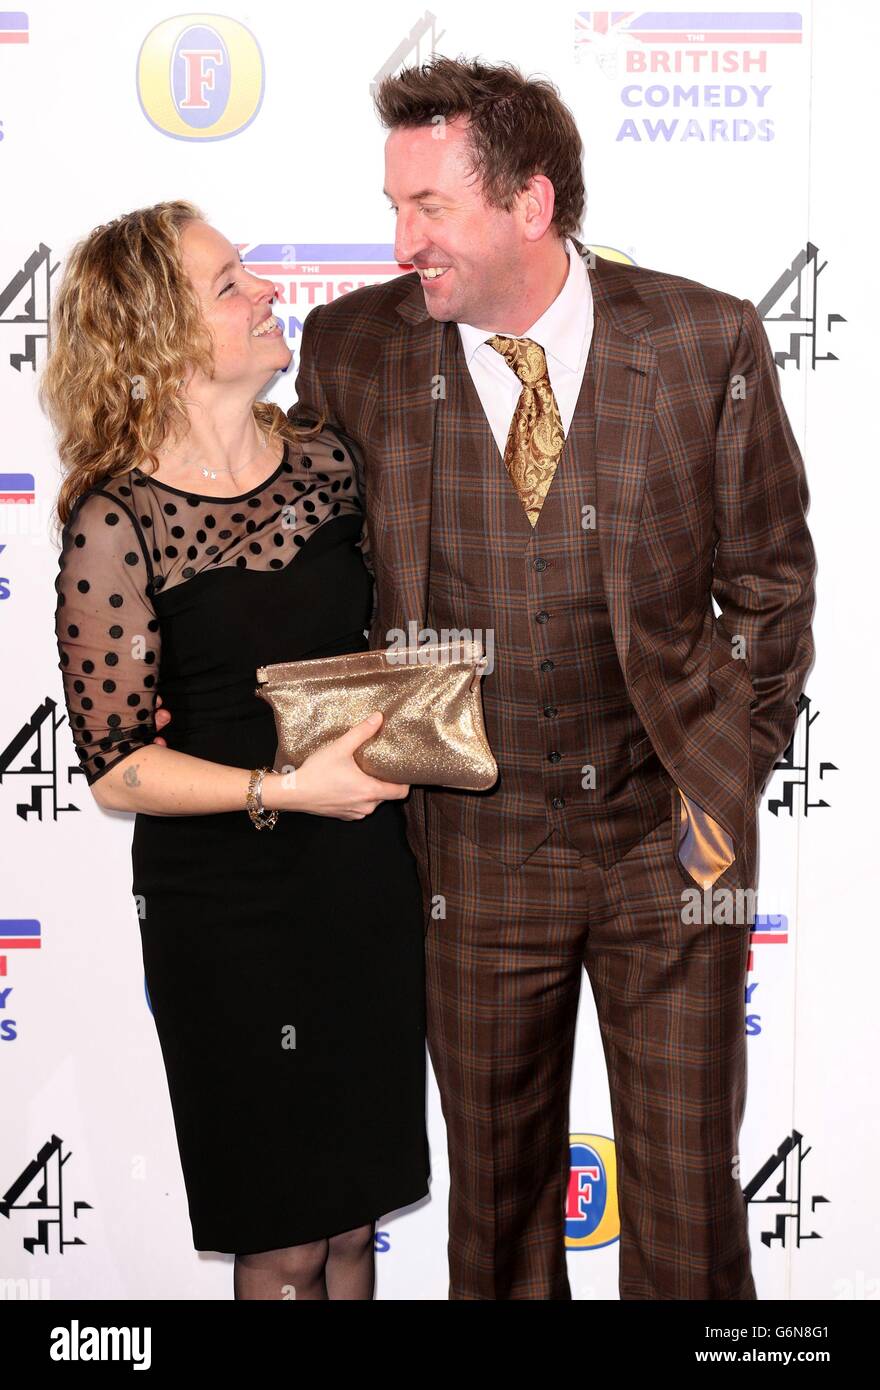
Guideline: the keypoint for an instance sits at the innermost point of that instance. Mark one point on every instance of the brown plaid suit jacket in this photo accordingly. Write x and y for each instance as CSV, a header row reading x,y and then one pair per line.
x,y
701,494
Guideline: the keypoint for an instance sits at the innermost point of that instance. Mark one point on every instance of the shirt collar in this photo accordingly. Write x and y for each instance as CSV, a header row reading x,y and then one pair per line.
x,y
560,329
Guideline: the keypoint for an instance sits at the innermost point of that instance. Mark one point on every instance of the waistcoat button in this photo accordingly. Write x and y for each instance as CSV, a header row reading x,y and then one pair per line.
x,y
547,665
550,710
558,802
540,564
554,757
543,616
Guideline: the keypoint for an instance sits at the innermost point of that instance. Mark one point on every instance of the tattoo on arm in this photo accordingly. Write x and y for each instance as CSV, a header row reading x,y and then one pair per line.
x,y
130,776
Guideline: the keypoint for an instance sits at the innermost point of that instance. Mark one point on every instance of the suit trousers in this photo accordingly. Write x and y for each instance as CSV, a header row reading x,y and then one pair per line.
x,y
503,980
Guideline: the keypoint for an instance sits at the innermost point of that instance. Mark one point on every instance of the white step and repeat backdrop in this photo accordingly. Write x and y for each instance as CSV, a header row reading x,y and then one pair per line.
x,y
735,147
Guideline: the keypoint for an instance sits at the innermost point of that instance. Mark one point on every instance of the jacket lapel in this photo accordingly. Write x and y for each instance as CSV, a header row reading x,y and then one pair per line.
x,y
401,503
625,373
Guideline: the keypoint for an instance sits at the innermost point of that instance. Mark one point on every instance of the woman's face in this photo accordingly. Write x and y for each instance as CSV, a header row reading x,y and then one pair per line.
x,y
234,304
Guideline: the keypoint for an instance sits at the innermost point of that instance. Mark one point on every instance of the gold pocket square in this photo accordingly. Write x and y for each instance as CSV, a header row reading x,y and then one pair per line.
x,y
705,849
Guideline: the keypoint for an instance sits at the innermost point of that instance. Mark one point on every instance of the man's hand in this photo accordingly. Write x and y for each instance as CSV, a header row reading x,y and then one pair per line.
x,y
162,718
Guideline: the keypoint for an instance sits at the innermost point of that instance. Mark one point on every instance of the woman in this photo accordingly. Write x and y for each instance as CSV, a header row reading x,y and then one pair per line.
x,y
204,536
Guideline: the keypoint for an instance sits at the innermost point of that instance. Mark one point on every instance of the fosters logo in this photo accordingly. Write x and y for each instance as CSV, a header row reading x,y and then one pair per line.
x,y
591,1216
200,77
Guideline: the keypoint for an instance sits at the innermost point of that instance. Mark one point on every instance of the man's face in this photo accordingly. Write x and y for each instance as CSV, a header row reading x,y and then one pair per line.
x,y
443,221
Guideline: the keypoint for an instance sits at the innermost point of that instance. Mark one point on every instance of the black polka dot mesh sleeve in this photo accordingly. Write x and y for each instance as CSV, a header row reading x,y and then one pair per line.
x,y
107,633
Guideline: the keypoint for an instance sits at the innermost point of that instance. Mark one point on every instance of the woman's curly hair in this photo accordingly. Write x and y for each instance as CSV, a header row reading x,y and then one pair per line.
x,y
127,328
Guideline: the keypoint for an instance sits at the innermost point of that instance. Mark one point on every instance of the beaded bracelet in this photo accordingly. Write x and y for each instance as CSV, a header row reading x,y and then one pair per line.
x,y
262,818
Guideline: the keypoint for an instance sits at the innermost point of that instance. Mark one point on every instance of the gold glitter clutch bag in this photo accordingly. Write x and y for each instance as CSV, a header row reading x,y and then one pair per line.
x,y
432,733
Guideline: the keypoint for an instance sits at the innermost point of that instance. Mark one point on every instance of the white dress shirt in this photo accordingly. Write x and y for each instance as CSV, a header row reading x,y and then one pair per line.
x,y
564,331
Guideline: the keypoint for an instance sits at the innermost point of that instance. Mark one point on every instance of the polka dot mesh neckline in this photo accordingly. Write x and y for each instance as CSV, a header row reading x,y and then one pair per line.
x,y
185,533
133,540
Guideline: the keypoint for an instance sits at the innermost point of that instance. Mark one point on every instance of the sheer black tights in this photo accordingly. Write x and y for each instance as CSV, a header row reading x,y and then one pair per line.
x,y
339,1266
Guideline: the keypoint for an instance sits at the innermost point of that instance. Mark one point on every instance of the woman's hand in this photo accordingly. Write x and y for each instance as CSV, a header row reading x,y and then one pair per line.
x,y
329,781
162,718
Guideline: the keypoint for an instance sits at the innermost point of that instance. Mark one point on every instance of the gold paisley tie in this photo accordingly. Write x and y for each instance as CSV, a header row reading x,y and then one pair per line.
x,y
536,437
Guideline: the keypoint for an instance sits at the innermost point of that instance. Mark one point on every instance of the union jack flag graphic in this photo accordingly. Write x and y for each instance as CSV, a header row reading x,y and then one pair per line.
x,y
684,27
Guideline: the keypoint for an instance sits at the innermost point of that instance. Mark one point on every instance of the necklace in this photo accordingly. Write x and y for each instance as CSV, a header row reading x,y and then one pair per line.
x,y
213,473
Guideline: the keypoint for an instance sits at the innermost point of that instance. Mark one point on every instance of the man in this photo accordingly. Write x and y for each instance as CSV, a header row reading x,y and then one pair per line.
x,y
576,457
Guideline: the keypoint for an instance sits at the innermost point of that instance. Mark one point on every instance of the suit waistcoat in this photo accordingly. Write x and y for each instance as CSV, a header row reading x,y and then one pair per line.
x,y
572,754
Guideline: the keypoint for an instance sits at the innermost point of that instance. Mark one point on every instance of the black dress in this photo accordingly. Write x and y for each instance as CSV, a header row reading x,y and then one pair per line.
x,y
285,966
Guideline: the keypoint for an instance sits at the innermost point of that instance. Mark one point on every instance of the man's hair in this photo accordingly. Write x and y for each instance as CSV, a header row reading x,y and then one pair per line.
x,y
518,126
